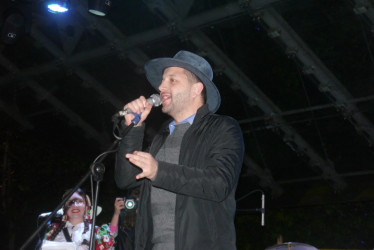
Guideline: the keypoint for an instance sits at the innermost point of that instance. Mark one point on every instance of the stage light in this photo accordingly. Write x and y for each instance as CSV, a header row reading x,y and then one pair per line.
x,y
58,6
13,26
99,7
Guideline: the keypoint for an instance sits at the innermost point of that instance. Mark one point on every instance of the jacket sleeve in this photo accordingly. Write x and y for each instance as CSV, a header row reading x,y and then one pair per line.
x,y
125,172
211,166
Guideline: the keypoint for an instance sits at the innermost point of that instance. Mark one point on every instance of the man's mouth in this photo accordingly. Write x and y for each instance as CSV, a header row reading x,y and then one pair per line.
x,y
165,97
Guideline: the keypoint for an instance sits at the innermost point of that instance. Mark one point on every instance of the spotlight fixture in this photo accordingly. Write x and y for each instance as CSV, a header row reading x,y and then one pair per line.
x,y
99,7
13,26
58,6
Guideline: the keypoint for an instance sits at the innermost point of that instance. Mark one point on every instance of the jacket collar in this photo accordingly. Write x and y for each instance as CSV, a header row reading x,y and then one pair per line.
x,y
201,112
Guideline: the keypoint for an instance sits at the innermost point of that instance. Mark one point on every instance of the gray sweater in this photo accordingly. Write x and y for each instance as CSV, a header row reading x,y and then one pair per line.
x,y
162,201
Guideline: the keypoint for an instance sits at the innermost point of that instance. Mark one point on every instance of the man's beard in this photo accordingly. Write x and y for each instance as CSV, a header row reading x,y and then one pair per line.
x,y
176,104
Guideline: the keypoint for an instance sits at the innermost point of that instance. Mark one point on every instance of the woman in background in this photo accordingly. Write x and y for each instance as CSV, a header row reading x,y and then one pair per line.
x,y
75,225
127,219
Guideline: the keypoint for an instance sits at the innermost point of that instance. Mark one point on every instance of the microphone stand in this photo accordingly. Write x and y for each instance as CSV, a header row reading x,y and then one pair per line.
x,y
261,210
96,170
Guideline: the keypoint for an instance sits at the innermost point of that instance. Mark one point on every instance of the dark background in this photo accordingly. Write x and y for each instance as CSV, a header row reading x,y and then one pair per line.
x,y
297,75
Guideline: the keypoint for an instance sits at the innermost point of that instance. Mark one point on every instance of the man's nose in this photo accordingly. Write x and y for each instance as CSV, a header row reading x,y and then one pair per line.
x,y
162,86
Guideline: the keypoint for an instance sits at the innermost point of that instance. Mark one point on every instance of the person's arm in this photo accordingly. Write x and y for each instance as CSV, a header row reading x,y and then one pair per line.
x,y
119,204
106,234
213,168
125,172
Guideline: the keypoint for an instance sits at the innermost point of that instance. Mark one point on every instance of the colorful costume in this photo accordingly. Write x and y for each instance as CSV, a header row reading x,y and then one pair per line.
x,y
80,235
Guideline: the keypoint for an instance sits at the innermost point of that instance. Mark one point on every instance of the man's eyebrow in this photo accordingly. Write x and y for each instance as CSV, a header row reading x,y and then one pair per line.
x,y
171,74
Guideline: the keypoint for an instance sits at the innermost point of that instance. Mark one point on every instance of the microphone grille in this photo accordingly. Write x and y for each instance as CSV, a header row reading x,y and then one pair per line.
x,y
155,100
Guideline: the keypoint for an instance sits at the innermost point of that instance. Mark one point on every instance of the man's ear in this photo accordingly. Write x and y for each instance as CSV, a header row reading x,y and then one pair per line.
x,y
198,88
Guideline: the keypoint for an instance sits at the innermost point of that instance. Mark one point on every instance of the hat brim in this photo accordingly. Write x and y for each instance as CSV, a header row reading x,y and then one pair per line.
x,y
154,70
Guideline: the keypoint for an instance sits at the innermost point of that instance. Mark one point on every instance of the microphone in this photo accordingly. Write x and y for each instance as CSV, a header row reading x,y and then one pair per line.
x,y
154,100
56,218
263,209
46,214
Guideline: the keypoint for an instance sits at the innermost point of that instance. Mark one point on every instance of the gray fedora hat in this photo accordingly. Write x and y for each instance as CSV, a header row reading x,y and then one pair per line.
x,y
191,62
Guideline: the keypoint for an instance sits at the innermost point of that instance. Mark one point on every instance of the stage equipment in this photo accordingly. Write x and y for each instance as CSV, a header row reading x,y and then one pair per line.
x,y
261,210
99,7
292,246
13,25
58,6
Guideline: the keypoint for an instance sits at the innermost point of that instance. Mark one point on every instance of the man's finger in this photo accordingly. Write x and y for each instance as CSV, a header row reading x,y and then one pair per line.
x,y
133,159
140,153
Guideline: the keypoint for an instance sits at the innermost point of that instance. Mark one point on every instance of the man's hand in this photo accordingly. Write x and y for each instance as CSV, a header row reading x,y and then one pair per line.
x,y
146,162
138,106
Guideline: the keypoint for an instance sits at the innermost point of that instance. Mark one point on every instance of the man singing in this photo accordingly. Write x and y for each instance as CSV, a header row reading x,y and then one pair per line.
x,y
189,175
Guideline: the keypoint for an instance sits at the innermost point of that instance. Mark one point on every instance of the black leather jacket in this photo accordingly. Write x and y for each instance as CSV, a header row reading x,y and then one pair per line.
x,y
205,181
